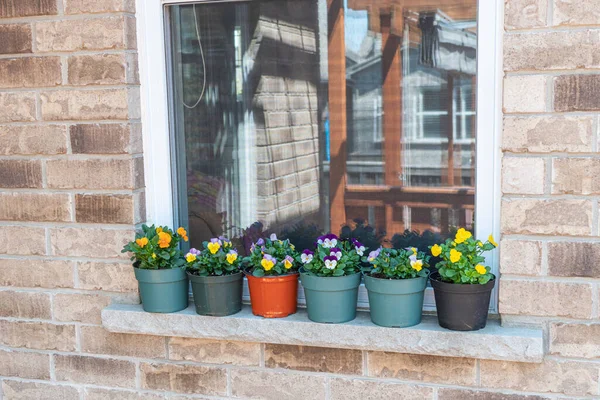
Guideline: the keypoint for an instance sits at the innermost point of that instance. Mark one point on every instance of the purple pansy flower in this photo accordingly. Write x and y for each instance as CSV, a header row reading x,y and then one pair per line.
x,y
194,251
260,242
306,256
273,237
337,252
330,262
374,254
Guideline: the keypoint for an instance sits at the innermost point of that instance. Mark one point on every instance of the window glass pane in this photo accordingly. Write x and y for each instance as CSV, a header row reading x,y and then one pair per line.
x,y
286,124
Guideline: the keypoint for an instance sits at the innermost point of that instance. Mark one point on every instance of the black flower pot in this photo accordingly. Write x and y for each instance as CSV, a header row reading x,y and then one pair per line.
x,y
461,307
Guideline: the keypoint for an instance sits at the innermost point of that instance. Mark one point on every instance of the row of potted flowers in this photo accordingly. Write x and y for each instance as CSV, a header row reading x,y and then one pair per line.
x,y
330,274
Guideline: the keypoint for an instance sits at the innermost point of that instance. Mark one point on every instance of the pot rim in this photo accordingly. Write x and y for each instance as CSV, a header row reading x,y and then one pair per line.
x,y
249,274
301,272
438,284
218,277
366,275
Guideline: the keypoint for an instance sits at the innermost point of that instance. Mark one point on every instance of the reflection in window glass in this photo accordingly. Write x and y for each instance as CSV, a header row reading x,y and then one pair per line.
x,y
285,124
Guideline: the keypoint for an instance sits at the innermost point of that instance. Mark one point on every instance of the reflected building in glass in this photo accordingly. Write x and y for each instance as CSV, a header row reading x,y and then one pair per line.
x,y
309,116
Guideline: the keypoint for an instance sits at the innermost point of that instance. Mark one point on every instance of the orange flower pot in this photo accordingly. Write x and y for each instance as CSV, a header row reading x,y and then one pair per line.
x,y
273,296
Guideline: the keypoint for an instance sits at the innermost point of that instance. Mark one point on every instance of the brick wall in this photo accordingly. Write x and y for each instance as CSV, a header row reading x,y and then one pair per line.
x,y
71,192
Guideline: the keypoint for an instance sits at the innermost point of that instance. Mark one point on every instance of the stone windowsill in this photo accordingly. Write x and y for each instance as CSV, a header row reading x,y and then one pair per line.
x,y
492,343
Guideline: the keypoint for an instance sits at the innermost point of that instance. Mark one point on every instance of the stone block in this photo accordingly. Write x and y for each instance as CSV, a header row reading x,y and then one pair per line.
x,y
21,174
525,14
575,176
26,365
316,359
28,305
27,8
15,39
546,299
97,340
574,259
104,209
573,134
569,12
111,394
17,106
12,242
35,207
28,72
16,390
79,307
110,277
112,104
88,242
103,138
357,389
36,273
414,367
101,6
107,33
94,371
550,376
576,93
270,385
523,175
575,340
33,140
37,335
547,217
101,69
214,352
520,257
189,379
463,394
524,94
95,174
556,50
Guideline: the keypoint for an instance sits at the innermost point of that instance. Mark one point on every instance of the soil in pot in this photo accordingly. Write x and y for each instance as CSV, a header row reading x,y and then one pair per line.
x,y
217,296
331,299
461,307
163,290
396,302
273,296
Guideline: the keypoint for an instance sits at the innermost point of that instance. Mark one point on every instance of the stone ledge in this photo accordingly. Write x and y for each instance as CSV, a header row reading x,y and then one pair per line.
x,y
492,343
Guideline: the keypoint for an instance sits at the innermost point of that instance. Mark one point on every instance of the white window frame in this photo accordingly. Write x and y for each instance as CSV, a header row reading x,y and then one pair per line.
x,y
154,77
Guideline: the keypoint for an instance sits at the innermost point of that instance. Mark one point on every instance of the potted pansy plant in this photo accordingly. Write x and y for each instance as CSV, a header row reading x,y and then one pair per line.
x,y
159,268
463,283
272,273
396,286
330,276
217,280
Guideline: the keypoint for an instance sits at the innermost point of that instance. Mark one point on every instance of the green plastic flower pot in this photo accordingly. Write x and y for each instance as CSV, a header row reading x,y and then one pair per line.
x,y
217,296
163,290
331,299
396,303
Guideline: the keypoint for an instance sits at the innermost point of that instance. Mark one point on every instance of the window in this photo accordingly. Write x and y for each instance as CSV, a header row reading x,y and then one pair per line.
x,y
290,119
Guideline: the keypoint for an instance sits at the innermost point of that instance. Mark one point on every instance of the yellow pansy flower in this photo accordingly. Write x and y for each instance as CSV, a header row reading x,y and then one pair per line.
x,y
462,235
154,255
267,264
142,241
417,265
164,240
480,244
159,229
492,241
436,250
414,250
455,255
190,257
481,269
213,247
231,257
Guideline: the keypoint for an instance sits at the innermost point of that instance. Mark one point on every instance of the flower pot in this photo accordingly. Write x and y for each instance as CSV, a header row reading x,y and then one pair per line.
x,y
163,290
273,296
461,307
331,299
396,302
217,295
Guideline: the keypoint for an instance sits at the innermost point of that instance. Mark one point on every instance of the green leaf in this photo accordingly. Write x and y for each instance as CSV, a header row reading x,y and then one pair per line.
x,y
258,272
